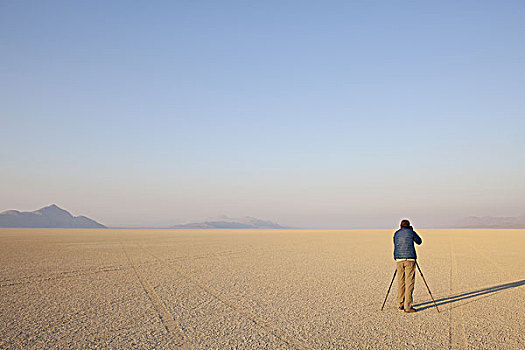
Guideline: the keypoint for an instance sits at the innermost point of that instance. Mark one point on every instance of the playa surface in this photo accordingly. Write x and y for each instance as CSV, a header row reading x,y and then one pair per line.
x,y
259,289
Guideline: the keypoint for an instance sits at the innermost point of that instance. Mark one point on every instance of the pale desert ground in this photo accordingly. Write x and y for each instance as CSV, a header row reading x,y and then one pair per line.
x,y
258,289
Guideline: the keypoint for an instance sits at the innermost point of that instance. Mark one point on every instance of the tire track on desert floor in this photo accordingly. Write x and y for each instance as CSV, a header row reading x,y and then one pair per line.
x,y
67,319
74,317
281,335
456,331
167,320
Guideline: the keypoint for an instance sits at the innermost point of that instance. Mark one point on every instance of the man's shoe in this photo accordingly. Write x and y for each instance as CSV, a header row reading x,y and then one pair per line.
x,y
400,308
410,310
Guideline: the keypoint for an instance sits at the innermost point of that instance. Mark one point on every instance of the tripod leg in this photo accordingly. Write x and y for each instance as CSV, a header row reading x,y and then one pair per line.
x,y
388,292
429,292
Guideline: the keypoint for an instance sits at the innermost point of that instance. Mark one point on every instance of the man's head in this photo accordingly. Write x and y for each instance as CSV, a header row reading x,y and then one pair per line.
x,y
405,223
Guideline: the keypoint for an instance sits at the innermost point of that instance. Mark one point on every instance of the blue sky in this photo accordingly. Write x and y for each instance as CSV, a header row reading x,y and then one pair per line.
x,y
315,114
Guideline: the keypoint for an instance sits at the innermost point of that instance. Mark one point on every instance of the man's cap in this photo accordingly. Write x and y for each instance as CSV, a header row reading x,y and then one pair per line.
x,y
405,223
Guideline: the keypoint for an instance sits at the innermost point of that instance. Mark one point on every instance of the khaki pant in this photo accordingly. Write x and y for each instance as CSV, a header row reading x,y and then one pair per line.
x,y
406,277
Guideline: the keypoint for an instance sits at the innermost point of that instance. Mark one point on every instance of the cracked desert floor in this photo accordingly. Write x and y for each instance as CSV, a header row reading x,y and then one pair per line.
x,y
256,289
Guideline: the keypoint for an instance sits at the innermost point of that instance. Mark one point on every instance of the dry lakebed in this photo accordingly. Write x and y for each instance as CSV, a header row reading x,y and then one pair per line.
x,y
256,289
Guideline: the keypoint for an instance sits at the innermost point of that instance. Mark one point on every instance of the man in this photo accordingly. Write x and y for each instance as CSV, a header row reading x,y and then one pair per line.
x,y
405,256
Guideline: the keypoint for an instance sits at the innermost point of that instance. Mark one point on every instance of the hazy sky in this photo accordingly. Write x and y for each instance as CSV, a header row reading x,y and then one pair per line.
x,y
320,114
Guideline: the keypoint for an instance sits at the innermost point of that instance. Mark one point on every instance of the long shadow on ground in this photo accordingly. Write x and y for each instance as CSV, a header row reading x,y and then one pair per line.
x,y
469,295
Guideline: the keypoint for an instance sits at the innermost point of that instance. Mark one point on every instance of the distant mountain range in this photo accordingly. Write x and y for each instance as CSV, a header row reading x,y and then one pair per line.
x,y
47,217
54,217
224,222
491,222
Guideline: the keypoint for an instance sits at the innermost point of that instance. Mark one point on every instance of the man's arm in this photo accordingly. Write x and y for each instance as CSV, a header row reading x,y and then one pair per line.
x,y
417,239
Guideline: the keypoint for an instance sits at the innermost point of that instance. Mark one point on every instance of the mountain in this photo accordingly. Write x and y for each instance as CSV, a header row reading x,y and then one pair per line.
x,y
225,222
491,222
47,217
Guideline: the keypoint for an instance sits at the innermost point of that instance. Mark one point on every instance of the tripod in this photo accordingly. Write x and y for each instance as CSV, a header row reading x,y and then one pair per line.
x,y
421,273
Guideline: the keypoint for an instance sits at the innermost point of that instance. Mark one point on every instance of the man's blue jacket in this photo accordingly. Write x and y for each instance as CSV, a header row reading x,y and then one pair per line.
x,y
404,239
